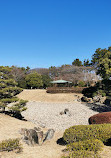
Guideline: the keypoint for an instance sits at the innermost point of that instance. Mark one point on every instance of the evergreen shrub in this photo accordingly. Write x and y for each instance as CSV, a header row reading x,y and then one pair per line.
x,y
86,132
10,145
91,145
82,154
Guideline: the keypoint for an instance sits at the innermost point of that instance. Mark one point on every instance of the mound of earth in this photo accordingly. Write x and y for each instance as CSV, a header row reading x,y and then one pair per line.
x,y
42,96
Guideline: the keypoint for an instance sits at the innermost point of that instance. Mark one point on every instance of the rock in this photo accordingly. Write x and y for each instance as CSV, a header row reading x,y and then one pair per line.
x,y
104,117
85,99
36,136
37,128
66,112
102,100
97,98
90,100
61,113
22,131
29,136
40,137
78,98
49,134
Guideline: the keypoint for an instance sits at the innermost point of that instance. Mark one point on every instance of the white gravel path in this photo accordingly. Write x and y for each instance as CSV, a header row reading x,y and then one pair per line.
x,y
48,114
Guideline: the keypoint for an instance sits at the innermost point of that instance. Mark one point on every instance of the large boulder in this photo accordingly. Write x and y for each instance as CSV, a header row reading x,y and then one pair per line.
x,y
104,117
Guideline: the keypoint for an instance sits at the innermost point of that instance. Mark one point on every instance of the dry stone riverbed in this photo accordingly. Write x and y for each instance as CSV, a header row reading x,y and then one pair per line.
x,y
48,114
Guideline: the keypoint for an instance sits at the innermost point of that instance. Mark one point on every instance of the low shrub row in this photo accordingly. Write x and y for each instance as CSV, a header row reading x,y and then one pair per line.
x,y
65,89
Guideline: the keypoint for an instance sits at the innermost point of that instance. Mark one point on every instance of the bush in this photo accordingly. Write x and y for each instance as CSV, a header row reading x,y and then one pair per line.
x,y
104,117
82,154
101,92
84,132
10,145
89,92
91,145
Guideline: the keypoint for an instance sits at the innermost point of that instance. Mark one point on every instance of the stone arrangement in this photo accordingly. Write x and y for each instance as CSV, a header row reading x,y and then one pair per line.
x,y
36,135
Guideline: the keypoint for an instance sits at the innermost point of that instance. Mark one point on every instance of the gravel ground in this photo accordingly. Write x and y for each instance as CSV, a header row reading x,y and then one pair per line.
x,y
48,114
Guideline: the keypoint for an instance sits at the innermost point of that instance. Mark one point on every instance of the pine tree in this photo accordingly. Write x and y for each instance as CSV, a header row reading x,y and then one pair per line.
x,y
8,92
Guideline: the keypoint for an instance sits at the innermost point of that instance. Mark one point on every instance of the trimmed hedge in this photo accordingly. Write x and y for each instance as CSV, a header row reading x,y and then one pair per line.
x,y
84,132
65,89
82,154
90,145
10,145
104,117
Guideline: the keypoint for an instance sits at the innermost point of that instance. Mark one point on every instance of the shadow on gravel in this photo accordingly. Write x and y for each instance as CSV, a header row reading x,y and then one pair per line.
x,y
61,141
15,115
99,107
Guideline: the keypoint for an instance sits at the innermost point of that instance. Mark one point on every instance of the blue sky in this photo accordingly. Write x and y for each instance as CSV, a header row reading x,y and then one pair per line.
x,y
44,33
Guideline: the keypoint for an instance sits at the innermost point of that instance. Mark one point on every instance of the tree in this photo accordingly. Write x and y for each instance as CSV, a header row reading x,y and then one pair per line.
x,y
86,63
77,62
19,74
101,60
53,72
46,81
9,90
34,80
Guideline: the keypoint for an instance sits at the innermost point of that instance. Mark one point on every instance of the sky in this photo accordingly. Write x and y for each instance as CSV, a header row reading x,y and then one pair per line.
x,y
44,33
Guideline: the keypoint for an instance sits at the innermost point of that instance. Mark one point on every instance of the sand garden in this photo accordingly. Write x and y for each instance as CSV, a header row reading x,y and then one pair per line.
x,y
44,110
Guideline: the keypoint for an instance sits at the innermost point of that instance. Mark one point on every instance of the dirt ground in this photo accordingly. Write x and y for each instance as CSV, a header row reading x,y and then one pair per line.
x,y
9,128
42,96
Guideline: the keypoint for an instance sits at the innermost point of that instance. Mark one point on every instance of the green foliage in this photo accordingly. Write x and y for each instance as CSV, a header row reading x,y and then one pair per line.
x,y
81,84
10,145
34,80
91,145
83,140
86,63
9,90
82,154
101,92
9,100
46,81
84,132
90,91
101,60
22,83
19,107
77,62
